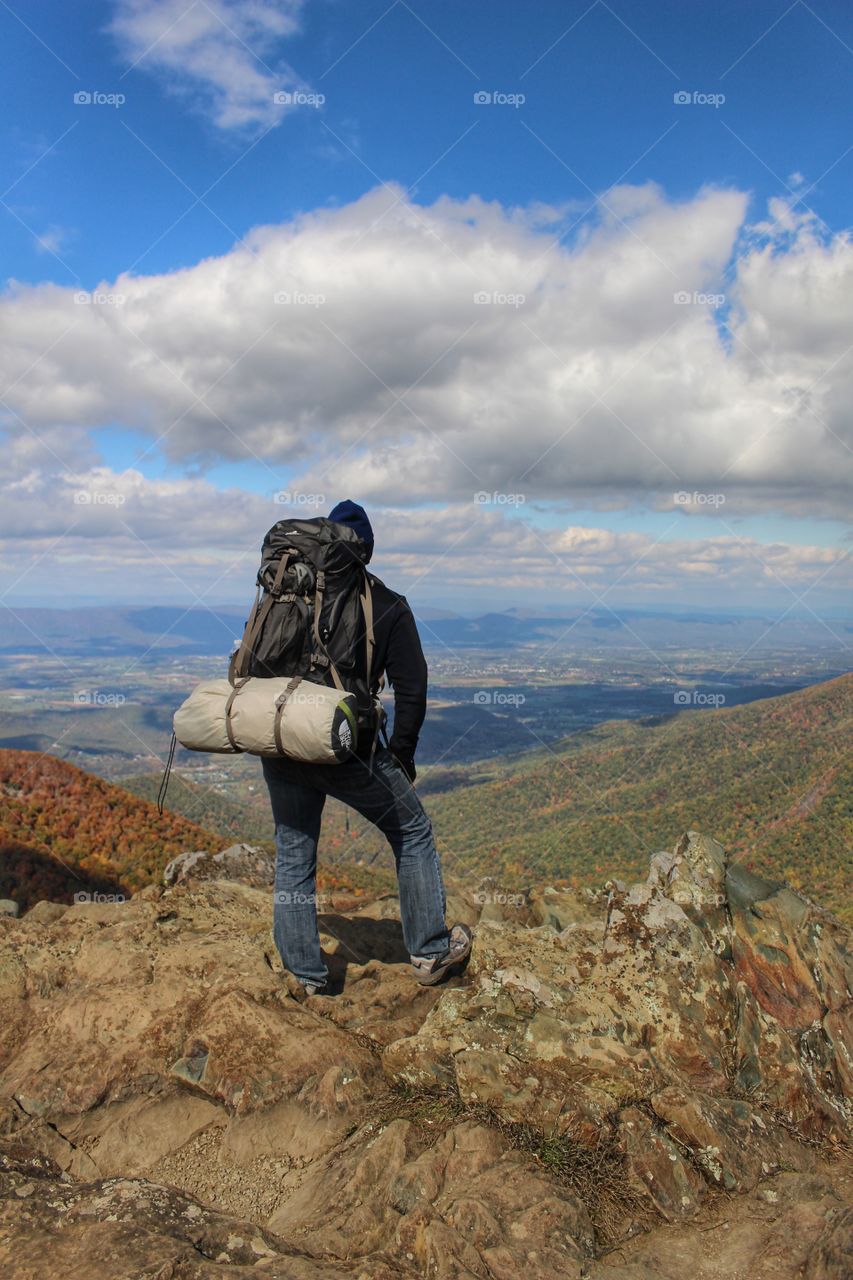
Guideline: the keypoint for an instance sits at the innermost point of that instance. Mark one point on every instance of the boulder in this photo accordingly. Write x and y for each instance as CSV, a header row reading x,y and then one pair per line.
x,y
793,1227
46,912
657,1167
244,863
733,1143
792,954
452,1206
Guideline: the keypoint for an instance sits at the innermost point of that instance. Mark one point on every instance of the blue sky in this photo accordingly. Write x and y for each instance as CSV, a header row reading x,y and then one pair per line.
x,y
584,103
398,96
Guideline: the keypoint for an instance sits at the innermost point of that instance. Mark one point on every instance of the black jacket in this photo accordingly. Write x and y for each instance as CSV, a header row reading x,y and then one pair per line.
x,y
399,655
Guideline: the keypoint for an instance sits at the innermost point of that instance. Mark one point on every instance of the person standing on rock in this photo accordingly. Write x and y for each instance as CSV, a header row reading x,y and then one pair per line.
x,y
377,782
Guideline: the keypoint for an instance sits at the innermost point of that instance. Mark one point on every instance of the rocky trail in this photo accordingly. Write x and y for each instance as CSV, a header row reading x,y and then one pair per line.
x,y
648,1083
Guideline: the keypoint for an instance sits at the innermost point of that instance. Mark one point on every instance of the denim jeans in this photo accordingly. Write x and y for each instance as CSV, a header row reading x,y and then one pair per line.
x,y
383,795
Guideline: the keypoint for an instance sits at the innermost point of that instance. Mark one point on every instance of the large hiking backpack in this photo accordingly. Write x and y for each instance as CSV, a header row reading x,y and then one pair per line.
x,y
311,625
313,613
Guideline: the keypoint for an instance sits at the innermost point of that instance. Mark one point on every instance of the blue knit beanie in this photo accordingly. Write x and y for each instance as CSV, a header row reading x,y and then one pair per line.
x,y
351,514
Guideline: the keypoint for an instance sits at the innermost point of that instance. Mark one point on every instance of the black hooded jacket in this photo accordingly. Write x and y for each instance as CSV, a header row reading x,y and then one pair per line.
x,y
398,653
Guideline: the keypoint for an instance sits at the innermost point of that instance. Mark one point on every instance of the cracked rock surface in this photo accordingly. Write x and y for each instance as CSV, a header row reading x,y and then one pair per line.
x,y
653,1081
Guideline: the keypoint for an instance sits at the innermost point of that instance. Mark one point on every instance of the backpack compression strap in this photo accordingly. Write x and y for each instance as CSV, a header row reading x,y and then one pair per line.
x,y
321,654
256,621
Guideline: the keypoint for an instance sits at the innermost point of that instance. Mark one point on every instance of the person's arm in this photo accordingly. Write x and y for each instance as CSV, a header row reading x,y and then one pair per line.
x,y
406,669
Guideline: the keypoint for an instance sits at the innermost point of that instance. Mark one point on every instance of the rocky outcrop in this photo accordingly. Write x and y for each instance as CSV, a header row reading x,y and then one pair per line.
x,y
52,1227
623,1068
245,863
672,988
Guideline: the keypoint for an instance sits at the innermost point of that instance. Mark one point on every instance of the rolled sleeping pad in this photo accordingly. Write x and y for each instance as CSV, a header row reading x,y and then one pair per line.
x,y
284,715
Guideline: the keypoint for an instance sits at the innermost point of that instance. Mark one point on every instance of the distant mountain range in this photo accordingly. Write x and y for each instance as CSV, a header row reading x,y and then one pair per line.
x,y
600,628
167,629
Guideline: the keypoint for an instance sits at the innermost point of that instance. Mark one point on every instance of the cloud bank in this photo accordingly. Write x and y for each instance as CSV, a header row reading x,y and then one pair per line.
x,y
412,354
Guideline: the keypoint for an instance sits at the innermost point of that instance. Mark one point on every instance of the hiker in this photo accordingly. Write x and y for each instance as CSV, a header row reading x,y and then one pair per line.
x,y
376,781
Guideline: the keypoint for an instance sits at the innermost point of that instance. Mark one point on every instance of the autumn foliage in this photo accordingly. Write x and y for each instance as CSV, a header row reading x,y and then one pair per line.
x,y
58,823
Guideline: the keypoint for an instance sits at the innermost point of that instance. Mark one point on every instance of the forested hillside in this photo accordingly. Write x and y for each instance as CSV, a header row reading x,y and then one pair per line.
x,y
56,820
772,780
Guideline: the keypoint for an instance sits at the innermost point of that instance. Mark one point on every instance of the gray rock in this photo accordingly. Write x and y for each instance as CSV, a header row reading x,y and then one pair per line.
x,y
244,863
45,912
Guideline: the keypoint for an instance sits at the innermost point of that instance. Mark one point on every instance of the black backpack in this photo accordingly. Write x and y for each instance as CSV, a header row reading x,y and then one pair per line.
x,y
313,613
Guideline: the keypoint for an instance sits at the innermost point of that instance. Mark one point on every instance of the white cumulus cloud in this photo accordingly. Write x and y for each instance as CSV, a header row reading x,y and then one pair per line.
x,y
428,352
214,52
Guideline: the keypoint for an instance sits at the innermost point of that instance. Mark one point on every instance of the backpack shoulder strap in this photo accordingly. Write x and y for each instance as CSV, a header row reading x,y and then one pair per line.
x,y
369,634
370,638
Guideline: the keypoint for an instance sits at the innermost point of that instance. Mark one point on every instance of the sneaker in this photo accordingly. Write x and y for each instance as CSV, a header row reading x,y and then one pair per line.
x,y
429,970
300,990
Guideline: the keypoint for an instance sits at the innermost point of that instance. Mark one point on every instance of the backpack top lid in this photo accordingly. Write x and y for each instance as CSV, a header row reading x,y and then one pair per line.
x,y
335,548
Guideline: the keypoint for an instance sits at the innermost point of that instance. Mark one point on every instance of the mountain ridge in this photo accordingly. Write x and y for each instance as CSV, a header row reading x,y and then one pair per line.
x,y
773,777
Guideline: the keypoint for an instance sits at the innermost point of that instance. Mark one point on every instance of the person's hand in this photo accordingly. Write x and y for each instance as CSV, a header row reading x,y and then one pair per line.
x,y
407,765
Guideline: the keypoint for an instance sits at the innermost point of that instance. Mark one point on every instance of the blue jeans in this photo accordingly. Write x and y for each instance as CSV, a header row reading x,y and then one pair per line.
x,y
383,795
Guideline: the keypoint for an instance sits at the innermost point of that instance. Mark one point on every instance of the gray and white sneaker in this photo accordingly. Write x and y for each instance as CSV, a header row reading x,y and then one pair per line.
x,y
300,990
430,970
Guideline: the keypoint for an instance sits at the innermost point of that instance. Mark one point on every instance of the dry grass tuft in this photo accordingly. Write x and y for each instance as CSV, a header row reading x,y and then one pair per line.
x,y
597,1175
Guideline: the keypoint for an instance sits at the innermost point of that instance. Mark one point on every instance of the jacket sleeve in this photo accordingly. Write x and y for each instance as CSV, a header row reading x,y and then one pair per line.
x,y
406,669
